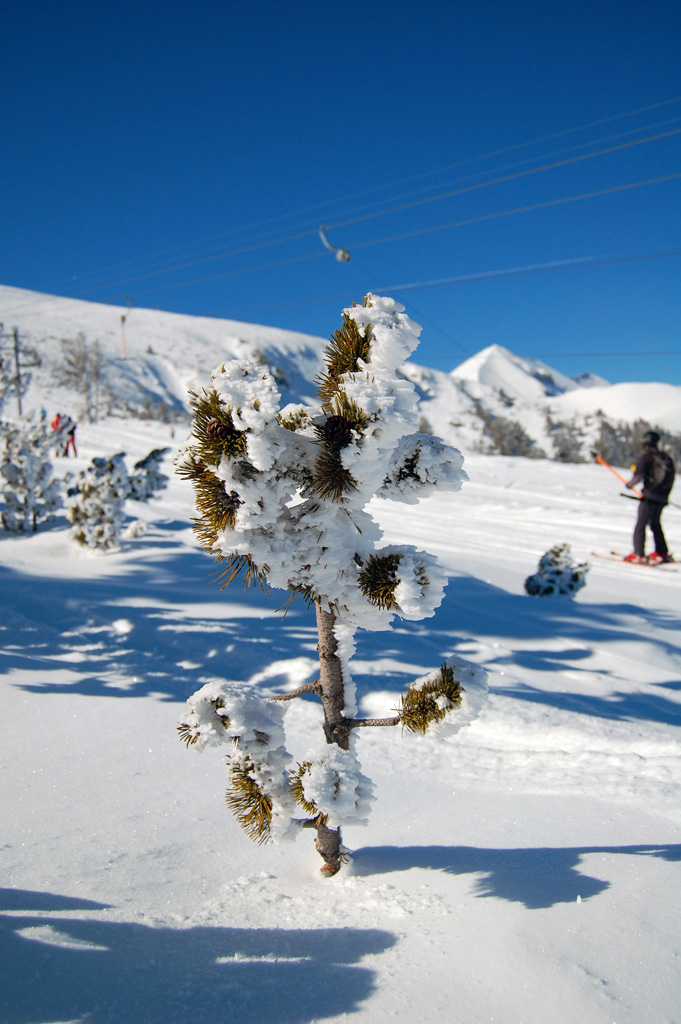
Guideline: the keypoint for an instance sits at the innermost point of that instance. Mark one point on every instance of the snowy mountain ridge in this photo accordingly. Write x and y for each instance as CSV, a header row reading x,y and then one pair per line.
x,y
146,360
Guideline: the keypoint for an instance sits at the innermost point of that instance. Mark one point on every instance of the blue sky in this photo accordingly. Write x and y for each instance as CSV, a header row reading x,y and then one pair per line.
x,y
184,156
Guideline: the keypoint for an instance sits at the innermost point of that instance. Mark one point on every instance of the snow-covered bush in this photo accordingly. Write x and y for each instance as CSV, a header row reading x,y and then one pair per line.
x,y
147,479
96,503
282,497
28,488
558,575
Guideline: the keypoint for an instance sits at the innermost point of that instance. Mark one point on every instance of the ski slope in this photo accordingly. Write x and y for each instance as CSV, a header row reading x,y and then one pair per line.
x,y
524,872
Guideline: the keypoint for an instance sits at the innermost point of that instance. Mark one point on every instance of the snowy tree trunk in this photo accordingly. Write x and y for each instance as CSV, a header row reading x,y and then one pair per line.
x,y
336,726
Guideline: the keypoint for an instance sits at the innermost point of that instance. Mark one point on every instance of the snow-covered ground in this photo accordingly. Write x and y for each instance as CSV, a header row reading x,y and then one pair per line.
x,y
524,872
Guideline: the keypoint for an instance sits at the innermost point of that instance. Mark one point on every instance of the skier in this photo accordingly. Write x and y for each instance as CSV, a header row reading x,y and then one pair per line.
x,y
70,434
656,470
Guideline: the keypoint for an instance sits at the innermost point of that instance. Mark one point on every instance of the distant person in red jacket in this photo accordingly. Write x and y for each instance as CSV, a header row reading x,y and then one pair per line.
x,y
656,470
65,429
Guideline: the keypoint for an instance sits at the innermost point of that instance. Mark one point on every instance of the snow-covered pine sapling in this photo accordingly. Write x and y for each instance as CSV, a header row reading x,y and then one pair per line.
x,y
96,503
30,492
557,575
147,479
282,500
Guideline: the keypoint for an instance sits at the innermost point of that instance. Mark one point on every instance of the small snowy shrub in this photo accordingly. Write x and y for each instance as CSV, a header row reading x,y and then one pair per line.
x,y
147,479
30,492
558,575
96,502
282,497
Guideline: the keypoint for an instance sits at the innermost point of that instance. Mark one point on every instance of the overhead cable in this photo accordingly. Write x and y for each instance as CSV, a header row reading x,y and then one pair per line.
x,y
418,231
430,199
446,167
507,177
517,209
573,263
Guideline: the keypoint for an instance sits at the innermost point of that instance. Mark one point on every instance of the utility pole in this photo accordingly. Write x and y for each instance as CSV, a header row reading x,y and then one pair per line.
x,y
17,363
18,375
124,317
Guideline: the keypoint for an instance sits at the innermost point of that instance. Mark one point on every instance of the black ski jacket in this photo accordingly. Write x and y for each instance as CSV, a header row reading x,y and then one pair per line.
x,y
659,493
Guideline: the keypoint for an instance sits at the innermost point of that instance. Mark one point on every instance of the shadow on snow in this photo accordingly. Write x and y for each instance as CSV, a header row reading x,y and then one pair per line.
x,y
157,625
538,878
58,968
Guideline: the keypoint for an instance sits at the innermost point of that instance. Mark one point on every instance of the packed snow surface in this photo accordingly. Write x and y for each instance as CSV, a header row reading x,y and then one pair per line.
x,y
523,871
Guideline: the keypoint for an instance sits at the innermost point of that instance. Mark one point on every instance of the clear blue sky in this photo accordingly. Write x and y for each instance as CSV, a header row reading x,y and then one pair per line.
x,y
181,137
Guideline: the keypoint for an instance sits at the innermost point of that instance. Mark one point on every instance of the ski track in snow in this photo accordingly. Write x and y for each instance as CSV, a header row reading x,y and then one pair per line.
x,y
523,872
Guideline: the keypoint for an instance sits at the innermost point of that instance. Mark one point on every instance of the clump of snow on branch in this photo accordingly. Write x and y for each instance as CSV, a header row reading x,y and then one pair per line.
x,y
472,682
223,712
558,575
333,781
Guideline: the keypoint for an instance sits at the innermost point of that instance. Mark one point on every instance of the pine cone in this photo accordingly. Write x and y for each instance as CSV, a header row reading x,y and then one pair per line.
x,y
229,502
217,430
337,430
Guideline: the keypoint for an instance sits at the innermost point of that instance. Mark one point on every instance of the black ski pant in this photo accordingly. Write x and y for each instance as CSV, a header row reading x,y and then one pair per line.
x,y
649,513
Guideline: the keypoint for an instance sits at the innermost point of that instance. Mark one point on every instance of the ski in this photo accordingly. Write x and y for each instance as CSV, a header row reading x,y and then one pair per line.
x,y
615,556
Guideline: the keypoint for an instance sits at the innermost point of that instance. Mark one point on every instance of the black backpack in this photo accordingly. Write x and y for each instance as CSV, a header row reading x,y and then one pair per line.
x,y
662,471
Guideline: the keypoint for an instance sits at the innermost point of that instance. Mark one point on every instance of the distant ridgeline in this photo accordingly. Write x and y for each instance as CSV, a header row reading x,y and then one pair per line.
x,y
95,361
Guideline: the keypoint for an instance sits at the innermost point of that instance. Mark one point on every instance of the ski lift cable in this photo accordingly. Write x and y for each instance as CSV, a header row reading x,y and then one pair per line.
x,y
413,177
520,163
407,195
305,233
419,231
577,262
228,273
518,209
510,177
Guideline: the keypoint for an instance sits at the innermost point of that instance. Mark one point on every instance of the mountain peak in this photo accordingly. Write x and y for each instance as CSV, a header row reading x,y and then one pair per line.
x,y
519,378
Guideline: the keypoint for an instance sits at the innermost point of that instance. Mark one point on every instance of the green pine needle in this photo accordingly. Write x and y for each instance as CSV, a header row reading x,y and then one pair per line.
x,y
251,807
419,708
238,564
208,409
217,509
296,420
378,580
346,347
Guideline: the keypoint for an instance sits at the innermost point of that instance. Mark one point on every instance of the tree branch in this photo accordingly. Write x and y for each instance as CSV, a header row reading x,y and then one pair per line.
x,y
306,688
359,723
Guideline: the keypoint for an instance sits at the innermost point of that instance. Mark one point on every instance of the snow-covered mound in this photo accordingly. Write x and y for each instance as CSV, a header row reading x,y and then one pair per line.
x,y
147,356
654,402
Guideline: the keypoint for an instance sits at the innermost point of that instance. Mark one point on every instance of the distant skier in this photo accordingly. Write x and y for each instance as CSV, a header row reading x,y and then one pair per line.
x,y
70,434
656,470
65,429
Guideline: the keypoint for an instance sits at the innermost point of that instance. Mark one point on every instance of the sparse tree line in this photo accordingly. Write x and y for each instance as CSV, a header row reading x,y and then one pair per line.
x,y
94,499
617,441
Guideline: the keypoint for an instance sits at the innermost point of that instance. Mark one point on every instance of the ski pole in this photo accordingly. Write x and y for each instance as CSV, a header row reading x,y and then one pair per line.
x,y
673,504
607,465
